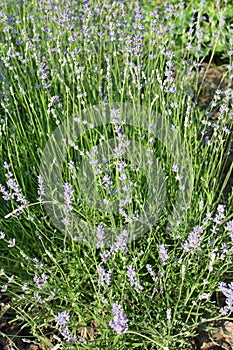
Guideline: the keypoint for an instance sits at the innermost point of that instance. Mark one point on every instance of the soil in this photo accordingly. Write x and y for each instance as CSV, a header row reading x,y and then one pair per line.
x,y
221,338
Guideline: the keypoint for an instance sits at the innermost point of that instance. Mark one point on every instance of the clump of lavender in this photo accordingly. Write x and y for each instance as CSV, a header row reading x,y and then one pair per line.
x,y
119,321
61,64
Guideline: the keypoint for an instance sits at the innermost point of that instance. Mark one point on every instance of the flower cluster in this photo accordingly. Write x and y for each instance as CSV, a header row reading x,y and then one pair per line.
x,y
131,273
163,254
229,228
62,318
104,277
41,190
40,281
14,192
100,236
119,322
192,244
68,200
227,291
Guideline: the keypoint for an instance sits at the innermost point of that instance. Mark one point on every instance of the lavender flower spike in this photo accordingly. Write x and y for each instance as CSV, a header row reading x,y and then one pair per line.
x,y
40,191
119,322
163,254
62,318
194,240
68,197
100,236
227,291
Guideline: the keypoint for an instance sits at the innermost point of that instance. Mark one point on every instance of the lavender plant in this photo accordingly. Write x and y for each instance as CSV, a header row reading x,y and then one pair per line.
x,y
57,60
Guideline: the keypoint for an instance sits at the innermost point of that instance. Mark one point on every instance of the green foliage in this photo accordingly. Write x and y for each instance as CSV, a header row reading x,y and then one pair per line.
x,y
59,60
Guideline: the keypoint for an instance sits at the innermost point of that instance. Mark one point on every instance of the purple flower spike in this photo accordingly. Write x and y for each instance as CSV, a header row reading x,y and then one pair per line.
x,y
119,322
163,254
62,318
194,240
68,197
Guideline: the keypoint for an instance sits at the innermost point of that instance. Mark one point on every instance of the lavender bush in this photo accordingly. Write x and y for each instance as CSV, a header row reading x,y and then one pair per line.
x,y
58,58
